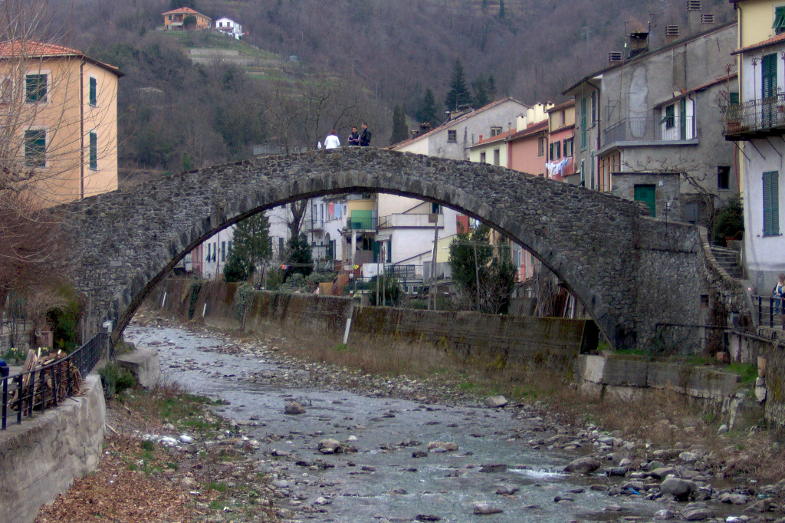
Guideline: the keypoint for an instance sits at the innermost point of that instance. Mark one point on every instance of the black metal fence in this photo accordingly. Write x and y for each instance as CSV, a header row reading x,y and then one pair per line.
x,y
34,391
769,310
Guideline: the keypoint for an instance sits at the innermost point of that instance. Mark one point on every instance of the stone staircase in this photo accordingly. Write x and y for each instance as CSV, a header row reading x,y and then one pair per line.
x,y
728,260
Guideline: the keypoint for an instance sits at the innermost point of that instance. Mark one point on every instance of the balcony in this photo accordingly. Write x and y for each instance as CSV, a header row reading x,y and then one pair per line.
x,y
314,225
755,119
648,130
411,221
362,221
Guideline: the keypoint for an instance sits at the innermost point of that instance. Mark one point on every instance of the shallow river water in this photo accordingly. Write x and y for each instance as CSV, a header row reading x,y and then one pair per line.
x,y
382,481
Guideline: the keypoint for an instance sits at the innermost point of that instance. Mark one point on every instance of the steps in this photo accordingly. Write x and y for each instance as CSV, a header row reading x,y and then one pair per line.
x,y
728,259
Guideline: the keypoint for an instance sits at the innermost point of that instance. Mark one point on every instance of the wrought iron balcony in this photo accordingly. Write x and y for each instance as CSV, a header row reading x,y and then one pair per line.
x,y
755,118
649,129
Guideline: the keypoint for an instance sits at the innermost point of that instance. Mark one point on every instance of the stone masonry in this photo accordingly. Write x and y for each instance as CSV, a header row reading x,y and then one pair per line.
x,y
632,273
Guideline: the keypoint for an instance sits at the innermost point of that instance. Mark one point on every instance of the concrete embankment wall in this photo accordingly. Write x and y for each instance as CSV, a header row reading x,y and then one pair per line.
x,y
493,343
42,456
488,340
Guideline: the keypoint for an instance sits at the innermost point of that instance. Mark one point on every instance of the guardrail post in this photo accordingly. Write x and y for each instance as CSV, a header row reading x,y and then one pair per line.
x,y
5,402
760,310
771,312
20,399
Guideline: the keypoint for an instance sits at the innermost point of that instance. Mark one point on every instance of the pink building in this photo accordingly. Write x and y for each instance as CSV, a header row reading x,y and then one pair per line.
x,y
527,149
561,133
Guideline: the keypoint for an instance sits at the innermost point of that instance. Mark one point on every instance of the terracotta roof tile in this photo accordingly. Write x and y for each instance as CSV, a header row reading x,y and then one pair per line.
x,y
33,49
765,43
183,10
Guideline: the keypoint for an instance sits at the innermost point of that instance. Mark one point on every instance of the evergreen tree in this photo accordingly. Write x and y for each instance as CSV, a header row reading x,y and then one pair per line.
x,y
490,87
480,93
300,259
400,131
473,260
177,4
458,95
251,247
427,111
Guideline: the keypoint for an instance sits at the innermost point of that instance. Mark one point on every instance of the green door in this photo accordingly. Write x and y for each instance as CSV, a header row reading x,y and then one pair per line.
x,y
645,194
768,89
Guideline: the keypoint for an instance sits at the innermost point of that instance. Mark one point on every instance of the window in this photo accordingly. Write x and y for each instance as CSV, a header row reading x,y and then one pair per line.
x,y
35,148
496,158
482,158
779,20
723,177
93,91
670,117
733,98
496,131
35,88
568,149
93,151
223,251
555,151
541,144
452,136
280,246
771,204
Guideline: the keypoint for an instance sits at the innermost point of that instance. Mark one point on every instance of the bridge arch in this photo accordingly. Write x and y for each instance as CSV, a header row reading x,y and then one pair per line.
x,y
630,271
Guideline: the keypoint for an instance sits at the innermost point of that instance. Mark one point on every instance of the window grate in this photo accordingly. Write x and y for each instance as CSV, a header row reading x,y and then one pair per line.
x,y
707,18
694,5
671,30
614,56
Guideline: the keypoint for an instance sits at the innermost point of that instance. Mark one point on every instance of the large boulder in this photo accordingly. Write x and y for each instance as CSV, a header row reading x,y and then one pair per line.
x,y
584,465
680,489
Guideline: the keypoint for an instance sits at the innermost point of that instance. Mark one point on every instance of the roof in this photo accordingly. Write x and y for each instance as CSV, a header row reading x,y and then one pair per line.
x,y
460,119
533,129
642,56
563,105
760,45
33,49
183,10
497,138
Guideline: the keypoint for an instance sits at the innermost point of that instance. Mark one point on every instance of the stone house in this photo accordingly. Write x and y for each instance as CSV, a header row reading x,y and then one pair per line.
x,y
174,20
655,113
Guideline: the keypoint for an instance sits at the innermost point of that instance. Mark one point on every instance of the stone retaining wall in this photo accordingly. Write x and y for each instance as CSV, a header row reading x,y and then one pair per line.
x,y
42,456
471,337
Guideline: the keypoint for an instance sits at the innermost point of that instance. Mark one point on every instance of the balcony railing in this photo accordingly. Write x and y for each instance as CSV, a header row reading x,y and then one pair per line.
x,y
650,129
755,118
411,220
362,223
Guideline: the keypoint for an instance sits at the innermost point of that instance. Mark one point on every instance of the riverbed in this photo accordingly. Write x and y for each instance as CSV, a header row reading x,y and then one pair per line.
x,y
385,471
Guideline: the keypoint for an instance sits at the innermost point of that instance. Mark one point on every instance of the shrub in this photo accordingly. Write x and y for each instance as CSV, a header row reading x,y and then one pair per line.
x,y
729,222
116,379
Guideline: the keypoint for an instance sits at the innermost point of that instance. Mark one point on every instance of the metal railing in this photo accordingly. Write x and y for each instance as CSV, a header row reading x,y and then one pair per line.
x,y
769,310
650,129
755,115
363,223
43,388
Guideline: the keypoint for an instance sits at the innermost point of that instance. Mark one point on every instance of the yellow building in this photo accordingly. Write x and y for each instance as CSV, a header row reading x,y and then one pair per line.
x,y
61,110
174,20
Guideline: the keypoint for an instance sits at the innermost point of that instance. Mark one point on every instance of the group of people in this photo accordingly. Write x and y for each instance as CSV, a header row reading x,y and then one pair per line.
x,y
356,138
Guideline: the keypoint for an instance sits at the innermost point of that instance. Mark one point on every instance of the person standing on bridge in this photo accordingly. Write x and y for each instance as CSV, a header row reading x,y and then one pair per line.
x,y
354,138
332,141
365,136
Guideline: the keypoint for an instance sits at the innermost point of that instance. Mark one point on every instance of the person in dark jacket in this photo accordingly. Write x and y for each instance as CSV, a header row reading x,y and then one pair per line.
x,y
365,136
354,138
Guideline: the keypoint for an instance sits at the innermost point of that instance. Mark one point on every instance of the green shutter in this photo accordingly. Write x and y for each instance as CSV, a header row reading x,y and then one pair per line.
x,y
670,116
35,88
93,151
93,92
769,75
771,204
779,20
35,148
683,118
734,98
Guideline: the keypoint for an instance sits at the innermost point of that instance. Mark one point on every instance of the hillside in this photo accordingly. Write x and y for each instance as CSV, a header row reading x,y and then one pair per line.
x,y
311,66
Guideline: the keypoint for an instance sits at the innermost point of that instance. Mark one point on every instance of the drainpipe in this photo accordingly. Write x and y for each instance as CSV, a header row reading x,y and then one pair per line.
x,y
81,129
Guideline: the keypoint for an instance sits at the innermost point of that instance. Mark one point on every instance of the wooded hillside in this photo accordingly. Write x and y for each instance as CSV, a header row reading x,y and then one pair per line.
x,y
358,60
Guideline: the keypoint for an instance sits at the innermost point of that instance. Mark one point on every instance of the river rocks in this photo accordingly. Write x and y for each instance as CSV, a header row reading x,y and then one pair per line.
x,y
293,408
664,514
482,508
661,472
680,489
584,465
697,513
330,446
185,438
427,517
733,498
496,467
494,402
506,490
419,454
442,446
321,500
688,457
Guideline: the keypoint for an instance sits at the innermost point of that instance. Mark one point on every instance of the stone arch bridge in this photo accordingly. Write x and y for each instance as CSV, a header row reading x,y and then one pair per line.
x,y
632,273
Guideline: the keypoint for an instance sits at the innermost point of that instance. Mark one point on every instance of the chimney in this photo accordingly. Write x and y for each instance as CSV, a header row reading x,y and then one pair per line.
x,y
639,42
